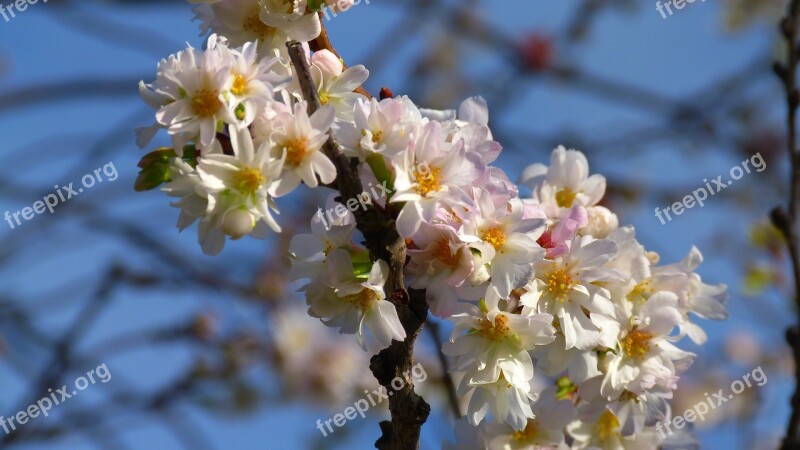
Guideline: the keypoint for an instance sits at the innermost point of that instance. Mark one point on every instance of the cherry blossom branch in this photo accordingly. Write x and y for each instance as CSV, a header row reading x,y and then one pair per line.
x,y
785,221
408,410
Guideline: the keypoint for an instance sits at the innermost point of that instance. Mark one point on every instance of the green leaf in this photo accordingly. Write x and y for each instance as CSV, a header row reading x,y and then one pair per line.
x,y
150,179
316,5
158,155
378,165
565,388
155,166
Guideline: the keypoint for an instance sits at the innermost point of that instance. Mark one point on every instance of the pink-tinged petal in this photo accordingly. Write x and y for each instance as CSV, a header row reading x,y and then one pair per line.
x,y
387,313
305,246
692,260
242,144
323,118
594,188
167,114
285,184
340,267
327,62
304,29
474,110
533,175
379,273
441,299
352,78
409,220
660,314
594,254
208,132
323,167
210,238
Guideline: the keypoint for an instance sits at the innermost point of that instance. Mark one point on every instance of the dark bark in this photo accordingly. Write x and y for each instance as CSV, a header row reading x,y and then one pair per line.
x,y
408,410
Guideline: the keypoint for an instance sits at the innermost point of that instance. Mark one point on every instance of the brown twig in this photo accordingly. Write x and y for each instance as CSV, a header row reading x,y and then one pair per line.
x,y
323,42
408,410
786,221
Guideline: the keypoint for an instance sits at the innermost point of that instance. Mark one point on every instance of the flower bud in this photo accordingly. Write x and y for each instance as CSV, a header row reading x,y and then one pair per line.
x,y
479,275
601,222
238,223
327,62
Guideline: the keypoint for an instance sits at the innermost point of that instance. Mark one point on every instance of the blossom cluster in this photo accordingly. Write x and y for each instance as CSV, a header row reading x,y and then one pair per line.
x,y
547,281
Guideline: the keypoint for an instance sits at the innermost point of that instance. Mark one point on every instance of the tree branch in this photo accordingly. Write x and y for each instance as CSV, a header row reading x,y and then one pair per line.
x,y
409,411
785,221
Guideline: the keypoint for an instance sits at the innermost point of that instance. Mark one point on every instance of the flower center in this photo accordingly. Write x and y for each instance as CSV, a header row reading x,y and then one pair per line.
x,y
628,396
443,253
239,86
291,6
636,344
565,197
296,151
497,331
559,283
641,292
205,103
248,180
495,237
253,24
324,98
363,300
530,433
427,182
607,426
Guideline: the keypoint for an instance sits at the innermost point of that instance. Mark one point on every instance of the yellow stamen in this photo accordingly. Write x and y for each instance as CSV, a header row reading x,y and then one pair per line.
x,y
206,103
559,283
239,86
565,197
247,180
429,182
324,98
296,151
497,331
495,237
529,434
607,426
641,292
253,24
636,344
363,300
